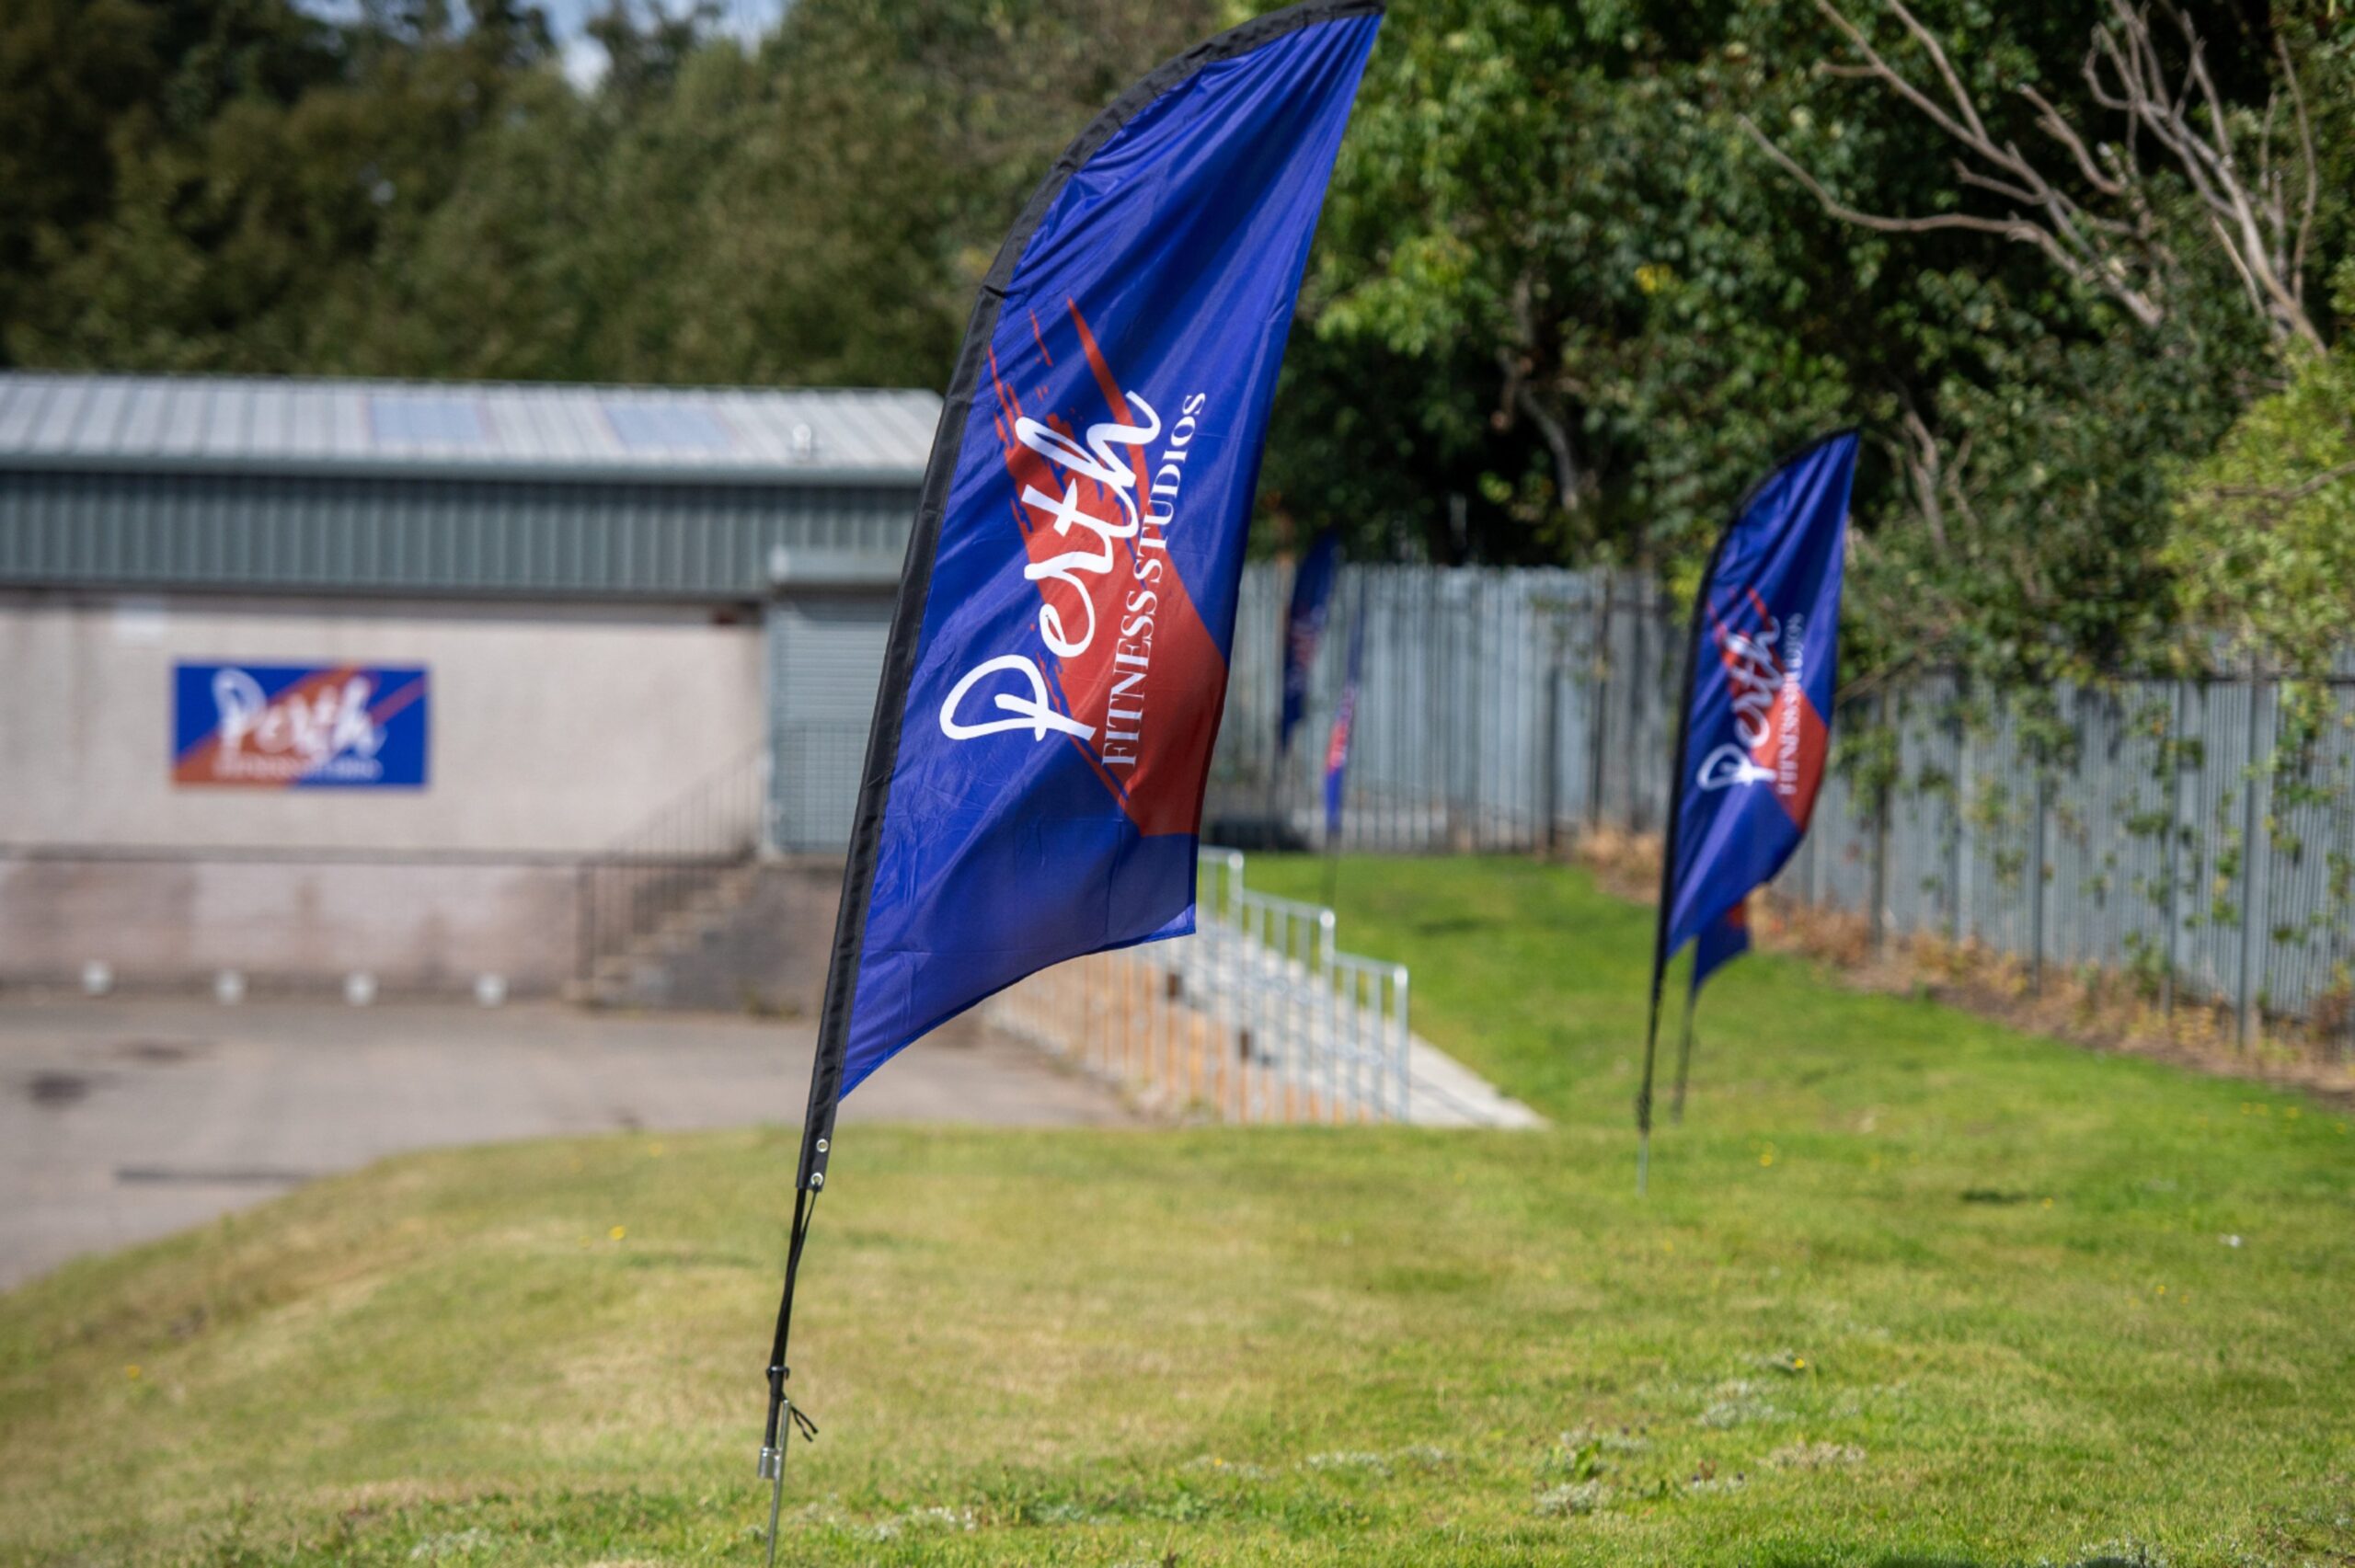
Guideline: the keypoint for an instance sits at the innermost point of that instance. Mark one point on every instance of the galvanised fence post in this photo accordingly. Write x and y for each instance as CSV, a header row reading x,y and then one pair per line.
x,y
1958,859
1879,924
2036,880
1637,684
1601,645
1550,775
2253,857
2174,855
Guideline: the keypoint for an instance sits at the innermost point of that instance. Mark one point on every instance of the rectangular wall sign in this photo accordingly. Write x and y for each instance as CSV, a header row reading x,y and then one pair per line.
x,y
299,727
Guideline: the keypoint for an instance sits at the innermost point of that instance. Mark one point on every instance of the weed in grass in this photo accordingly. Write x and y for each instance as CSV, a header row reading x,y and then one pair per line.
x,y
1573,1497
1804,1455
1736,1403
1706,1481
916,1521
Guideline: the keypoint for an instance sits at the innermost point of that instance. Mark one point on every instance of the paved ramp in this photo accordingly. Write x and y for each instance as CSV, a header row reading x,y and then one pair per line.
x,y
1448,1094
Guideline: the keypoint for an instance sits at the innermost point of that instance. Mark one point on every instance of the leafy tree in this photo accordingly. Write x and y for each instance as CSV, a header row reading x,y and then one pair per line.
x,y
87,84
1575,210
272,174
2266,543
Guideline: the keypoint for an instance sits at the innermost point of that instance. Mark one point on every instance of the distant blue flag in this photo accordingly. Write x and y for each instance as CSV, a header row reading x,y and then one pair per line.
x,y
1345,718
1756,721
1312,598
1058,662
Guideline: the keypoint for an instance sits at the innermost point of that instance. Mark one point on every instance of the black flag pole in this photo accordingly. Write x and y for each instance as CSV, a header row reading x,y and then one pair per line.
x,y
1694,632
899,665
1683,1058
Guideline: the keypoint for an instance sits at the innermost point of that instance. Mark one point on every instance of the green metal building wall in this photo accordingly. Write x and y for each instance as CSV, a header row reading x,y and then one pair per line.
x,y
603,539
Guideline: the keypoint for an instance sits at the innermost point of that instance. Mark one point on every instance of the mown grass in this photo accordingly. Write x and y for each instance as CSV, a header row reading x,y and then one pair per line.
x,y
1909,1289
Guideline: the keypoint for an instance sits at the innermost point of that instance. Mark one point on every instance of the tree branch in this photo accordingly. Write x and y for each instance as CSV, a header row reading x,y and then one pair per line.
x,y
2285,495
2119,255
1570,482
2014,228
2307,148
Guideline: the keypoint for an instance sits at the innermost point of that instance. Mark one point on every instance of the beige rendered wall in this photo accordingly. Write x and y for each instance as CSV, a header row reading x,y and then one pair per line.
x,y
288,925
553,731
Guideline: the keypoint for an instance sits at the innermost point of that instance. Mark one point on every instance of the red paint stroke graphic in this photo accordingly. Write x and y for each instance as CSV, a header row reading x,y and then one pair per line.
x,y
1137,664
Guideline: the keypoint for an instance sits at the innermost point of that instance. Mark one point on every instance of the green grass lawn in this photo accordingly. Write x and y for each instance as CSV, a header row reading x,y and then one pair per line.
x,y
1909,1289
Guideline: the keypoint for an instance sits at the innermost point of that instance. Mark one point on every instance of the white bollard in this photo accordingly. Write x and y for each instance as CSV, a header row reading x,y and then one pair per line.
x,y
491,991
228,987
358,988
97,977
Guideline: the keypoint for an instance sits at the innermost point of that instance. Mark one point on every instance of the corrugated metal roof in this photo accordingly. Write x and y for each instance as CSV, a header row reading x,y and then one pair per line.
x,y
461,429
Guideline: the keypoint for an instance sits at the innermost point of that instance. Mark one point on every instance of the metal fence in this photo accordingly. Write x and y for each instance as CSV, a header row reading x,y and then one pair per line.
x,y
1499,709
2197,837
1256,1017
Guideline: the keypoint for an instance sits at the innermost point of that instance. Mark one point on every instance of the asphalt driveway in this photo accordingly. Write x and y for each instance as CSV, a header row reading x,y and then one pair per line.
x,y
123,1121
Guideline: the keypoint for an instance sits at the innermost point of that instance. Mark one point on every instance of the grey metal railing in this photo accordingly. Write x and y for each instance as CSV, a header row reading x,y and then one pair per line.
x,y
1258,1016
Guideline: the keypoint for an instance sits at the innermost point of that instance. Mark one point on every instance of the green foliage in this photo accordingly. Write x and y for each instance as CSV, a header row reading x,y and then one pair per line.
x,y
1550,209
1628,311
2265,543
249,216
2044,558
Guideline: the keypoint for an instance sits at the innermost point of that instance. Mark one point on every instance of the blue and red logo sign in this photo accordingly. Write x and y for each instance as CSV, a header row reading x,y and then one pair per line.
x,y
299,727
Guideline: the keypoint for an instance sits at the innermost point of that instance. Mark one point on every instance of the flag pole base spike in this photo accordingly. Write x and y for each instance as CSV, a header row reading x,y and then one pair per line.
x,y
773,1472
785,1419
775,1460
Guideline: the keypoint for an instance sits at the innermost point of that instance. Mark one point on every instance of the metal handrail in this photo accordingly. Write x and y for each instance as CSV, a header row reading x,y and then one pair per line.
x,y
1257,1015
641,883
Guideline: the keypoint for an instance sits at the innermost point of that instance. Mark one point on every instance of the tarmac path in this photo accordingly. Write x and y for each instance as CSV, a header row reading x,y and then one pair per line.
x,y
121,1120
